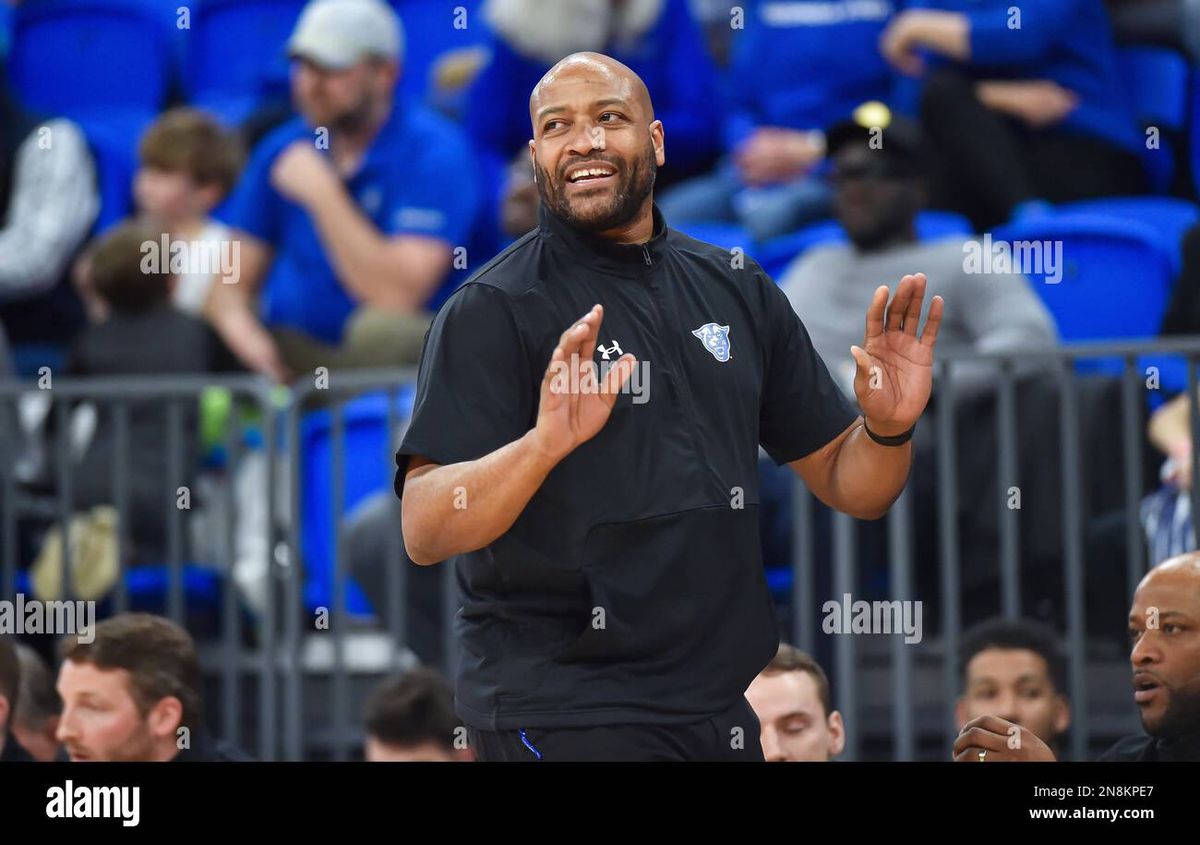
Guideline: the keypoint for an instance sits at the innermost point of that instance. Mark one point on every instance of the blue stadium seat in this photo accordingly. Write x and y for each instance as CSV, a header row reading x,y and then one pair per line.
x,y
114,150
148,587
368,469
777,253
1167,217
1116,277
1157,83
82,58
236,58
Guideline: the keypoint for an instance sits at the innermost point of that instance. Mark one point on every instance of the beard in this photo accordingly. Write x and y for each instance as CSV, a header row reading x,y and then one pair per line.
x,y
1182,715
347,120
634,185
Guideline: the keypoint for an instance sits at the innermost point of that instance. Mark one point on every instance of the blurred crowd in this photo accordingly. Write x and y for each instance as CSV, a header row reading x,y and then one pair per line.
x,y
275,188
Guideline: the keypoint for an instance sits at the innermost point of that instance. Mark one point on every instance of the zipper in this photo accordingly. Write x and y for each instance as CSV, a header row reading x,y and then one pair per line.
x,y
646,255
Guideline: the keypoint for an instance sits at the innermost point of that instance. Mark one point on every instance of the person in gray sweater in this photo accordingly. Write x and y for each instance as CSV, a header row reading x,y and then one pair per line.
x,y
878,190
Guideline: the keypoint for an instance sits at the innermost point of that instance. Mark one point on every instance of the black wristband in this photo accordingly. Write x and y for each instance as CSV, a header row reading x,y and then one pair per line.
x,y
897,440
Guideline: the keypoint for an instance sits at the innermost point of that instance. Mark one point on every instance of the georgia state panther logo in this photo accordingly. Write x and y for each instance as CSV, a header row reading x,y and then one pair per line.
x,y
715,339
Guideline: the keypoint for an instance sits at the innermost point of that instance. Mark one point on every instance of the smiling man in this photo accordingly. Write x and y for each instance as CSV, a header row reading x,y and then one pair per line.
x,y
1164,626
607,549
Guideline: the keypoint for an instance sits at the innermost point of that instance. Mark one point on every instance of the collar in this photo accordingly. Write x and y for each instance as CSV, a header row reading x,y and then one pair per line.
x,y
602,252
1186,747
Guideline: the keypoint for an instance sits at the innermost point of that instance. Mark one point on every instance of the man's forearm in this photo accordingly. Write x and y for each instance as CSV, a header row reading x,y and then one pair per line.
x,y
360,254
866,476
461,507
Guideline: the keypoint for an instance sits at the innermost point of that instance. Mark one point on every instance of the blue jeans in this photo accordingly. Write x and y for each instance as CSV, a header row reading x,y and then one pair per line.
x,y
765,212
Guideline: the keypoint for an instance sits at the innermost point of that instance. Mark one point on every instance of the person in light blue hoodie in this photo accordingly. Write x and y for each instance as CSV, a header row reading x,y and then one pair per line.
x,y
797,67
1021,103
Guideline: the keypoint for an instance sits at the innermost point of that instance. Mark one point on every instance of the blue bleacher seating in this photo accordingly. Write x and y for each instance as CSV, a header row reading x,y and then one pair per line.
x,y
1157,83
369,469
89,58
1116,277
236,57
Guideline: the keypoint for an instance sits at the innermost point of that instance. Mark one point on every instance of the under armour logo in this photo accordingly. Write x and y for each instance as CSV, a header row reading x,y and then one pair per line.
x,y
615,349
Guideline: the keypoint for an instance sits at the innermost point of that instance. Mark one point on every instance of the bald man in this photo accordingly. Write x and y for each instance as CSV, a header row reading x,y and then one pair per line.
x,y
1164,627
584,444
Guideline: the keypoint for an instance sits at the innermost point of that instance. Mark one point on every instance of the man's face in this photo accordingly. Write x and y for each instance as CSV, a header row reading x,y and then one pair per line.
x,y
1164,625
340,100
376,751
873,205
794,726
100,719
1015,685
595,149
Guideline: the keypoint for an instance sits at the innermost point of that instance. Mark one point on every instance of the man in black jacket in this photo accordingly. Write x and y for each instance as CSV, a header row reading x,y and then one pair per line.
x,y
1164,626
607,548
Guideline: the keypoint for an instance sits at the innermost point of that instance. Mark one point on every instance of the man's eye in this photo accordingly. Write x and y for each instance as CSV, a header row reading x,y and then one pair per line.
x,y
1170,628
1133,635
552,125
613,115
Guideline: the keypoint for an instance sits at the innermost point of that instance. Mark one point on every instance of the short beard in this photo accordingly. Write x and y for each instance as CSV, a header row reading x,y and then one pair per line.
x,y
630,195
1182,716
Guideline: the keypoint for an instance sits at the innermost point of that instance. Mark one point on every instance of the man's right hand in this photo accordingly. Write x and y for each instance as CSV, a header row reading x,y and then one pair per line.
x,y
576,399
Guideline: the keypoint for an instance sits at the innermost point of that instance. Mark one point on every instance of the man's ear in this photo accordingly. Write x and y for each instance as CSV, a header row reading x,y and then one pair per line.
x,y
1062,714
533,158
837,734
4,711
659,139
165,717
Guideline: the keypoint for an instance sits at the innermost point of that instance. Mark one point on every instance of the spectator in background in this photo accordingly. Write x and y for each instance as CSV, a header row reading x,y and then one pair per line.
x,y
11,751
133,695
797,68
38,707
48,202
1014,669
791,699
1166,514
1020,104
658,39
348,217
1162,23
411,719
1164,630
142,335
878,191
187,164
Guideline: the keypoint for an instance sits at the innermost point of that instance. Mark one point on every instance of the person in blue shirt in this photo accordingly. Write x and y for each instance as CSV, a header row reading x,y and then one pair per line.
x,y
658,39
1022,104
797,67
350,218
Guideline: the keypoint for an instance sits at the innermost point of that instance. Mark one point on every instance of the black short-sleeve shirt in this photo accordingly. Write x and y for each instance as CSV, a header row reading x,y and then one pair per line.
x,y
631,587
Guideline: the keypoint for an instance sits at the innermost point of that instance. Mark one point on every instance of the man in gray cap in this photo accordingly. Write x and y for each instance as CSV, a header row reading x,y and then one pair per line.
x,y
348,217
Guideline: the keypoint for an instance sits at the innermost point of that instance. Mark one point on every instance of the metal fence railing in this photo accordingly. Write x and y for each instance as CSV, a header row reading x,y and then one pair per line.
x,y
291,644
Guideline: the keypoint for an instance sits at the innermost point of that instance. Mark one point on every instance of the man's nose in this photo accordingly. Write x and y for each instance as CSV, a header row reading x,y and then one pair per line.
x,y
772,753
585,138
1146,650
66,726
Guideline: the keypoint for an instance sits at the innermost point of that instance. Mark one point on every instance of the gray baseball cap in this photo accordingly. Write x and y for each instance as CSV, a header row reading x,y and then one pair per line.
x,y
338,34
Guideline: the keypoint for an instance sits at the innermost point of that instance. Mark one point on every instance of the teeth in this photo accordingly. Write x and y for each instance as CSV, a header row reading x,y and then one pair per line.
x,y
590,172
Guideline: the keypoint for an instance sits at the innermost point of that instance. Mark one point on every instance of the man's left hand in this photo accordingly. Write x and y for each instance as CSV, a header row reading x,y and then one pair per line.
x,y
894,373
300,172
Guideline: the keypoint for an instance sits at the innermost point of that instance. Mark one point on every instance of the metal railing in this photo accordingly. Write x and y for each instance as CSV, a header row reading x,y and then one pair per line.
x,y
273,663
